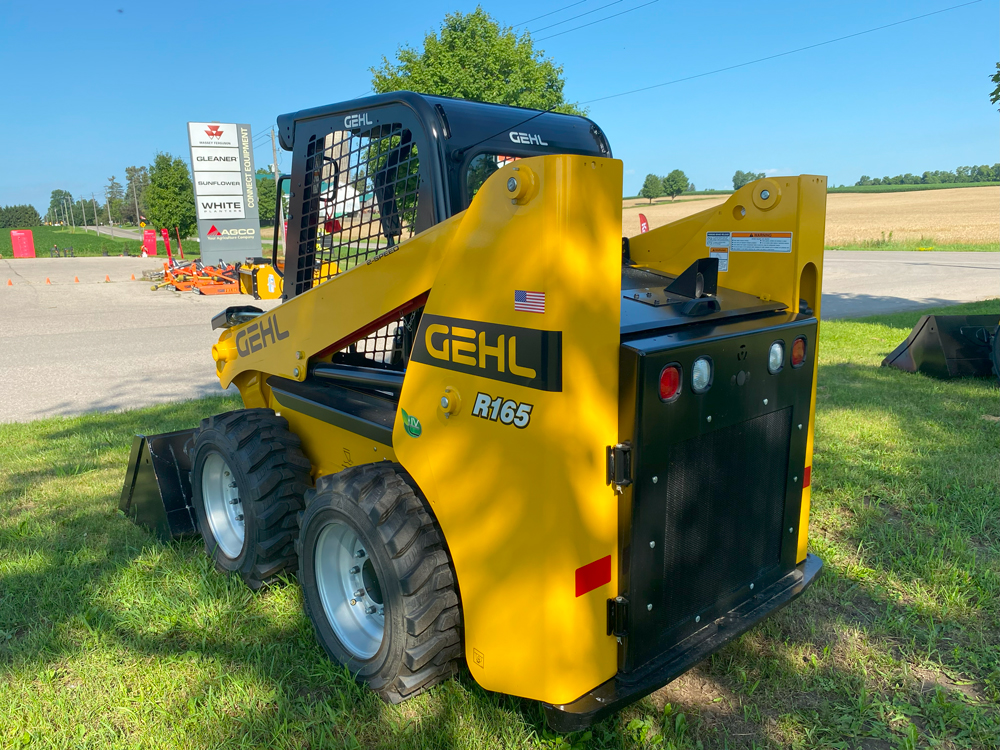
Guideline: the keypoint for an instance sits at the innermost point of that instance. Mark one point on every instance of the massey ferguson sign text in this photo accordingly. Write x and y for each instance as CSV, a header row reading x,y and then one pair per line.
x,y
225,190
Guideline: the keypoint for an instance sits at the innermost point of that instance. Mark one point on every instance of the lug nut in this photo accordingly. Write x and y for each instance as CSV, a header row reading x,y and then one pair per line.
x,y
359,554
381,611
239,516
232,484
370,610
359,593
355,570
234,501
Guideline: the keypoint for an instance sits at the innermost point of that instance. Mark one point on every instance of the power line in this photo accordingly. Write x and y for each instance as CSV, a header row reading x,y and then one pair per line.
x,y
551,13
579,15
782,54
601,20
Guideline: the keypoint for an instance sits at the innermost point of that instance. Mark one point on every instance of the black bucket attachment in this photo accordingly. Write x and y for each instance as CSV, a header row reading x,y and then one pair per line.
x,y
157,491
948,346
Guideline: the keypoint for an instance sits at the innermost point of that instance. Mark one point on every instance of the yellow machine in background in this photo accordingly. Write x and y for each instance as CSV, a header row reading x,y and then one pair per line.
x,y
484,428
261,279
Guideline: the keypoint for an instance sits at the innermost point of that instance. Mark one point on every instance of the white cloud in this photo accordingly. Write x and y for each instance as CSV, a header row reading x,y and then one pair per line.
x,y
629,171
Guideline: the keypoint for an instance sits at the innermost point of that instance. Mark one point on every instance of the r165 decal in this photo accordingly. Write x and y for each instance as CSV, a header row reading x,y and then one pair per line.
x,y
507,411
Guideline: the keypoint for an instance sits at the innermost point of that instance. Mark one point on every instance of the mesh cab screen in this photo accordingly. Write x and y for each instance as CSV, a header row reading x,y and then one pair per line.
x,y
360,198
725,499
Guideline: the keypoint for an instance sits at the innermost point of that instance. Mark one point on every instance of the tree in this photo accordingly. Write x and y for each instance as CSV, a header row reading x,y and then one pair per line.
x,y
995,96
475,58
136,182
114,192
266,193
675,183
55,212
652,187
742,178
19,217
170,195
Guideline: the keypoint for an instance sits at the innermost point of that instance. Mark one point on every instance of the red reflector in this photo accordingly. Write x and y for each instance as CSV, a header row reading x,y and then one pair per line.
x,y
592,575
670,382
807,477
798,351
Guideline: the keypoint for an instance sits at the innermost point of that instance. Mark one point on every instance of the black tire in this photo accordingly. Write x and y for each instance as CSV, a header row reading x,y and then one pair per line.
x,y
271,475
422,639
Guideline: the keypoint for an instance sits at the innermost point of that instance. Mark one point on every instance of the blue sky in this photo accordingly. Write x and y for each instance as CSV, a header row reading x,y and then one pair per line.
x,y
89,90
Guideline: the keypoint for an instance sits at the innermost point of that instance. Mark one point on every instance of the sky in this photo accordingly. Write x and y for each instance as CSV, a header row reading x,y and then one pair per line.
x,y
93,87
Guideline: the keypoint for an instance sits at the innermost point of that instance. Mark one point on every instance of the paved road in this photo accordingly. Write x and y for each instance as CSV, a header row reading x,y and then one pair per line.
x,y
857,283
73,347
69,347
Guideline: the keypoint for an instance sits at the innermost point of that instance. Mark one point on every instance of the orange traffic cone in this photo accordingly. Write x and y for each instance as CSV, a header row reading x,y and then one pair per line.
x,y
133,277
47,280
10,283
76,279
107,278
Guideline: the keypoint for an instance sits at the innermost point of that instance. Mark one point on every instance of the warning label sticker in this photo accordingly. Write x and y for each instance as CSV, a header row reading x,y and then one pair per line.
x,y
761,242
718,247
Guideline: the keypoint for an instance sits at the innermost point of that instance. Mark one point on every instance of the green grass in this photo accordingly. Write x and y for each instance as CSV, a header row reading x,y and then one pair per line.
x,y
109,639
907,188
925,244
86,243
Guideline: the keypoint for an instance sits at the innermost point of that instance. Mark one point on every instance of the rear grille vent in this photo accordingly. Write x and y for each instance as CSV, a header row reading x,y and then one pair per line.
x,y
725,498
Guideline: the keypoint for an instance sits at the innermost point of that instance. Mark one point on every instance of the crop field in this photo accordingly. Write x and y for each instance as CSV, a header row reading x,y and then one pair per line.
x,y
86,244
109,639
960,219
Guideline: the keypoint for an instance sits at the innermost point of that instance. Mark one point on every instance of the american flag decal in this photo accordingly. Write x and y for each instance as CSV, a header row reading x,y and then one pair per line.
x,y
529,301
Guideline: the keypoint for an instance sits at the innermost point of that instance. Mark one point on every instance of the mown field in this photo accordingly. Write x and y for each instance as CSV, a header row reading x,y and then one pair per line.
x,y
908,188
109,639
86,243
965,219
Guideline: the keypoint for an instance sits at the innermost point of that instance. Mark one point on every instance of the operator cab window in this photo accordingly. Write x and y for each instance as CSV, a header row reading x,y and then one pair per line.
x,y
480,168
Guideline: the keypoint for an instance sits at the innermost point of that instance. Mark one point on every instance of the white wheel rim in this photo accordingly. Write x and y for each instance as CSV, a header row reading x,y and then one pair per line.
x,y
222,505
349,590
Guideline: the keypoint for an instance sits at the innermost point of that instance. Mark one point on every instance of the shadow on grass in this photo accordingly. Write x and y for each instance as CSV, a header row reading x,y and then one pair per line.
x,y
902,628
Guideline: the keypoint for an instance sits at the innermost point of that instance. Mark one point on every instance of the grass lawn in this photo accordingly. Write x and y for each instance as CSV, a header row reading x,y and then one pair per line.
x,y
110,639
87,243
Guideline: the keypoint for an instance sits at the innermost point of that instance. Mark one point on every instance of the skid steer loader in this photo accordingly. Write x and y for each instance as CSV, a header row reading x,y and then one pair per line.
x,y
482,428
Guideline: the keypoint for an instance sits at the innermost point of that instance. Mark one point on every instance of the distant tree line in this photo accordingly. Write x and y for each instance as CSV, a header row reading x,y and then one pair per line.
x,y
673,184
981,173
15,217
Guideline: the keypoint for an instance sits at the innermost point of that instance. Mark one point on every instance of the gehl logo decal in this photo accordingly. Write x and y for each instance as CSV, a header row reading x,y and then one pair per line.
x,y
522,356
254,337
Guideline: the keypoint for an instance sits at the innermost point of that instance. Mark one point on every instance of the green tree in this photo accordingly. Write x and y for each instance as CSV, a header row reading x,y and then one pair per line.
x,y
675,183
266,193
995,95
474,57
170,195
55,212
19,217
742,178
136,182
652,187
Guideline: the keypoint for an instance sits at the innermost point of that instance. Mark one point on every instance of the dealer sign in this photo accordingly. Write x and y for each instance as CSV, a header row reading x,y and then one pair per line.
x,y
225,191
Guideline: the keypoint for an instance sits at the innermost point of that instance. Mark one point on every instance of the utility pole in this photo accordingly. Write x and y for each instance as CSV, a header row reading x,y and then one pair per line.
x,y
93,201
83,208
136,199
72,218
281,205
107,199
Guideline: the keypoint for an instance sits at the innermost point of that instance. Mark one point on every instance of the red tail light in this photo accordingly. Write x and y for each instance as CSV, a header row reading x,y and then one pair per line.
x,y
670,382
798,351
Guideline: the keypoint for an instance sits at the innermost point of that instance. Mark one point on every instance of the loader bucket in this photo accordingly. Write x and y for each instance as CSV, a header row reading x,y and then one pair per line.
x,y
948,346
157,490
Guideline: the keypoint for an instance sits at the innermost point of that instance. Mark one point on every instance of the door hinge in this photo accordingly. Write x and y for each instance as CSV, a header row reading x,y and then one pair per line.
x,y
620,465
618,617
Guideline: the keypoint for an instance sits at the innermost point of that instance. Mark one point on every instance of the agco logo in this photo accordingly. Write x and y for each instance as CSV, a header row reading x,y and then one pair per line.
x,y
356,121
214,131
522,356
231,234
254,337
528,139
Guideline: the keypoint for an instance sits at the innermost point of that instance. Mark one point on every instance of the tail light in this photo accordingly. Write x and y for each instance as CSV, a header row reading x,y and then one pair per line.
x,y
670,382
799,351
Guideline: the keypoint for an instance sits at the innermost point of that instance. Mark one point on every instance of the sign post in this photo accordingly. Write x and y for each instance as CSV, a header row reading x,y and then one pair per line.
x,y
24,243
225,191
149,241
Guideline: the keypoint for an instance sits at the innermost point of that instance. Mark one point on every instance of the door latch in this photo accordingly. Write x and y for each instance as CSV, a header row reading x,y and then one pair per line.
x,y
620,465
